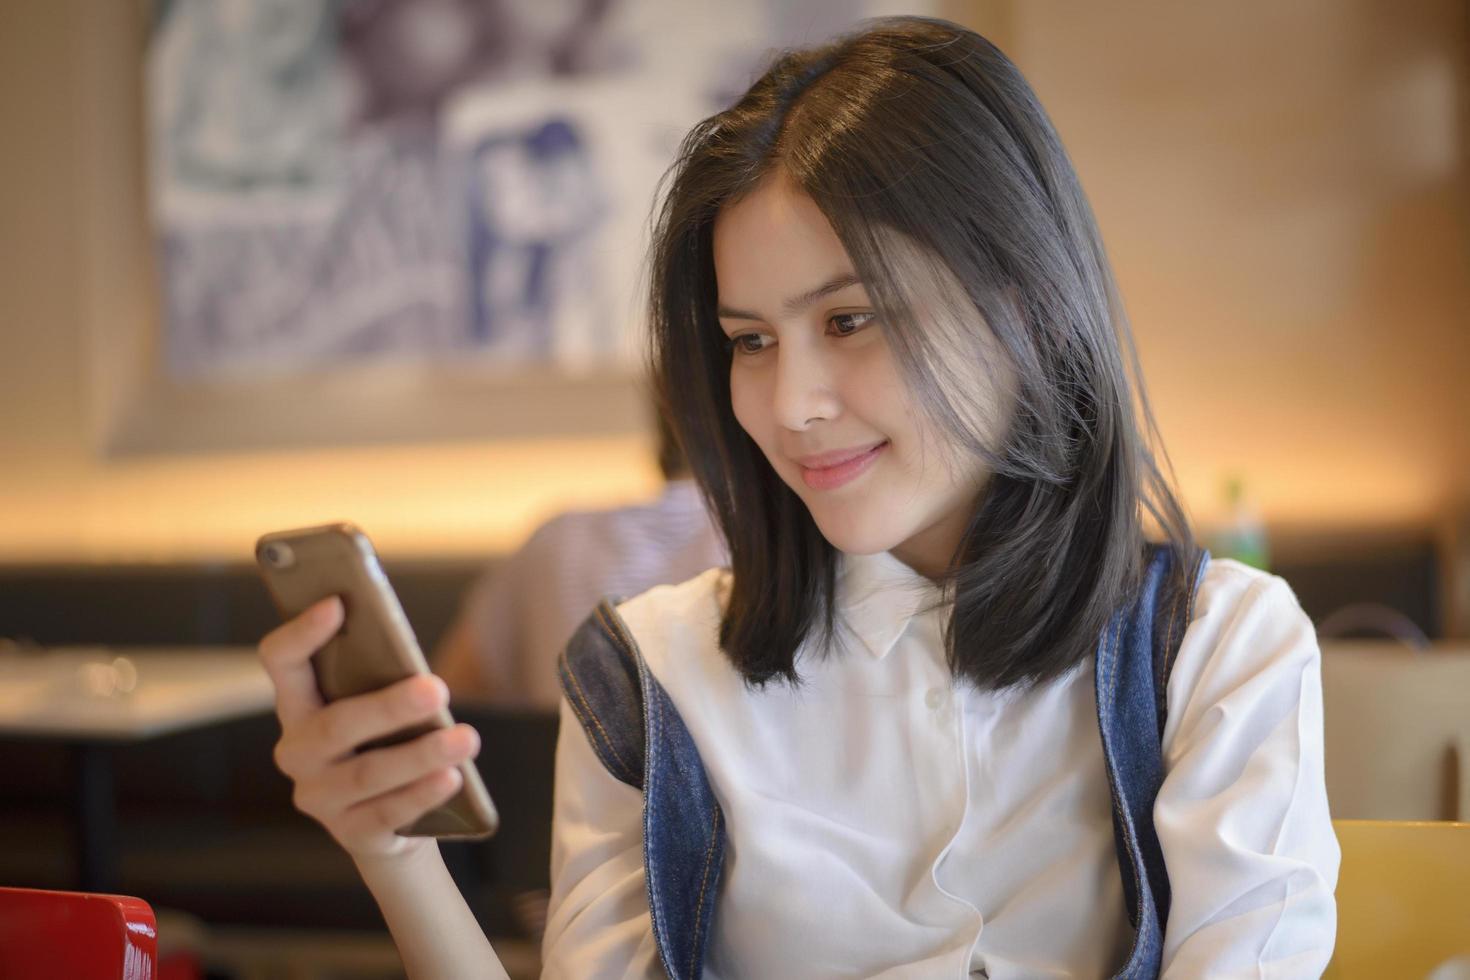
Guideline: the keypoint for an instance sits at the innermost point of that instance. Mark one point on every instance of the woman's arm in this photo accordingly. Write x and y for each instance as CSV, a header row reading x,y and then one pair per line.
x,y
361,798
1242,814
433,928
598,923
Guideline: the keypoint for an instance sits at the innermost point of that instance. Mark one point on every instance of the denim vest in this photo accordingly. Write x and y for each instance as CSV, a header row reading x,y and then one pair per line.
x,y
638,735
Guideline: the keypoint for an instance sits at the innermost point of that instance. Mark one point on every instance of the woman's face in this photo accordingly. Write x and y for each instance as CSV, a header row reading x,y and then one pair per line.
x,y
815,384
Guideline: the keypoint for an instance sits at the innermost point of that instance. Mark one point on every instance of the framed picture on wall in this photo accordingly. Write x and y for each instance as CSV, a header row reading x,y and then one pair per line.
x,y
340,221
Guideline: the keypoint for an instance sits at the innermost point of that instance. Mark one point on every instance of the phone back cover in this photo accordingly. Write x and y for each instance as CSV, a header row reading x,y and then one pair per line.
x,y
376,646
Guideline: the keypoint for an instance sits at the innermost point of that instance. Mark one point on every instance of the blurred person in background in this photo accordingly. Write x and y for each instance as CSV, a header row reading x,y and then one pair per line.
x,y
516,618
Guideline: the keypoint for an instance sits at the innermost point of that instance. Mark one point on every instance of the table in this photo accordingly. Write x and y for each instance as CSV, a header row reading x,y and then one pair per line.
x,y
95,698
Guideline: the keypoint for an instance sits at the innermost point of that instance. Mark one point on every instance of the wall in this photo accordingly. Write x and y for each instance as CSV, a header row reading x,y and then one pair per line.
x,y
75,267
1281,186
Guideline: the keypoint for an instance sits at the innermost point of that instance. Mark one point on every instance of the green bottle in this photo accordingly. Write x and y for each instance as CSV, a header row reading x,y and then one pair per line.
x,y
1243,535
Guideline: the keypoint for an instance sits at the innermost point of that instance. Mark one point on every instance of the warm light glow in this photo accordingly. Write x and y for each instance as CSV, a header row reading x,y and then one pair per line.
x,y
414,501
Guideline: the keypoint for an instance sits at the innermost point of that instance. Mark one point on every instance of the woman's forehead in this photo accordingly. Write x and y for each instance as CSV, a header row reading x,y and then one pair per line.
x,y
775,242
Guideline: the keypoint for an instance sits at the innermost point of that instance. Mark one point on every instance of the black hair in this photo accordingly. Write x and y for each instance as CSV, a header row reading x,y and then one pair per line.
x,y
939,171
671,461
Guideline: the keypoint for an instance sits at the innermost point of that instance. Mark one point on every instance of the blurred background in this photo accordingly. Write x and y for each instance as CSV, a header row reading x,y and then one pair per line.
x,y
273,264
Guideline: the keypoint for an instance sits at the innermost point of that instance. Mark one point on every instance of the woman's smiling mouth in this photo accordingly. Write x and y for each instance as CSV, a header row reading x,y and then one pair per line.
x,y
828,471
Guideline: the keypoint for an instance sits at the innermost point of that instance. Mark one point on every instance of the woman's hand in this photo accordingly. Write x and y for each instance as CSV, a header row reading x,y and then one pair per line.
x,y
360,798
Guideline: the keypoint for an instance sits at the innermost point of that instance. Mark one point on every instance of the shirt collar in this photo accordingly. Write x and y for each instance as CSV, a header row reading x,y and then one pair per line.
x,y
877,596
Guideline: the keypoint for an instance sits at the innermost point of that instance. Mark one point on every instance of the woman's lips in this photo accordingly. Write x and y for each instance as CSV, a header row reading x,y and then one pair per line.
x,y
833,476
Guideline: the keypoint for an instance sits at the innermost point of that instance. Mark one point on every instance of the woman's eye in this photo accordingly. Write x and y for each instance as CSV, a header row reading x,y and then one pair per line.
x,y
845,324
748,343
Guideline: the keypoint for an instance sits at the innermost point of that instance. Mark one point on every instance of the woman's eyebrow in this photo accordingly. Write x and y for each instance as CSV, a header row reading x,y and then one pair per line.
x,y
799,302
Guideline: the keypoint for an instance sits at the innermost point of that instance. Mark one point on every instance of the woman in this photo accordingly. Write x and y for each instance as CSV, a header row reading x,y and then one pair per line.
x,y
947,713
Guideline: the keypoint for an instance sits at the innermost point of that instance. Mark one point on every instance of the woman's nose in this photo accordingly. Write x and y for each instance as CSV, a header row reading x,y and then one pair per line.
x,y
805,388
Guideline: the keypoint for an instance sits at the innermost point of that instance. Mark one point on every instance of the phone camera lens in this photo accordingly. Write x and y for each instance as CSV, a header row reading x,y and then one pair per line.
x,y
278,555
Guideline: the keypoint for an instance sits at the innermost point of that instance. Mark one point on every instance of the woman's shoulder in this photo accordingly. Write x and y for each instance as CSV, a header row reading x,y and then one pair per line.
x,y
1248,637
677,627
1229,589
699,597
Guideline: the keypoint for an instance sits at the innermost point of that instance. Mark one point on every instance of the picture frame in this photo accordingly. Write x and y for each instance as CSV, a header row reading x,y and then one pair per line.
x,y
140,403
137,408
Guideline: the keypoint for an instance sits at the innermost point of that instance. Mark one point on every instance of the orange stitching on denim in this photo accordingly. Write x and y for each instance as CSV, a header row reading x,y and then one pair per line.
x,y
609,617
1169,632
576,709
709,855
650,794
1113,669
622,641
1166,663
1130,844
1194,586
1192,591
1128,837
572,676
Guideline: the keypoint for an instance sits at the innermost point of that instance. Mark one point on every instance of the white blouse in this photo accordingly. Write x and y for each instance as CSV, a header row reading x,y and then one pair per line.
x,y
883,822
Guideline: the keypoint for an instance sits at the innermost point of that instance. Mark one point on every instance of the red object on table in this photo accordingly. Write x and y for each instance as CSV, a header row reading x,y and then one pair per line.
x,y
81,936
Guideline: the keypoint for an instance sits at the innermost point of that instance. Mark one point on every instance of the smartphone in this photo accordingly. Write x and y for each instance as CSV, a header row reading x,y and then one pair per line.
x,y
375,647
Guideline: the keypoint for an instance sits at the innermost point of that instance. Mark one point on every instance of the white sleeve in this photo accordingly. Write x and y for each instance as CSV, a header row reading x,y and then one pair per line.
x,y
1242,814
597,923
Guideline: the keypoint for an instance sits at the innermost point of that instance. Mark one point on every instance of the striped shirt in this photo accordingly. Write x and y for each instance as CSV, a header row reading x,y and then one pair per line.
x,y
523,610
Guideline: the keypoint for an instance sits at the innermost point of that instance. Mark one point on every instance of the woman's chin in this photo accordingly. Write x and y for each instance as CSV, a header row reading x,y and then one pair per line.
x,y
855,537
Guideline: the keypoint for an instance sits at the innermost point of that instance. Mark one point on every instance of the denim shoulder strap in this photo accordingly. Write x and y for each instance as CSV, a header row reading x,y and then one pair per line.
x,y
640,739
1135,657
600,676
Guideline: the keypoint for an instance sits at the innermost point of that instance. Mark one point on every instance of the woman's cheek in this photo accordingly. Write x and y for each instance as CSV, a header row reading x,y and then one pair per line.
x,y
875,391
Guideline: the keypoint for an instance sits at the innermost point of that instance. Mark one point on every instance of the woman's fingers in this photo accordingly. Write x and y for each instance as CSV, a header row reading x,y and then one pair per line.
x,y
372,774
332,733
385,814
286,653
338,729
361,798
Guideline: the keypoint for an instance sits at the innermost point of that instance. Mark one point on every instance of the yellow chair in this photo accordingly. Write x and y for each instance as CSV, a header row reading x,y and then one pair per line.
x,y
1403,899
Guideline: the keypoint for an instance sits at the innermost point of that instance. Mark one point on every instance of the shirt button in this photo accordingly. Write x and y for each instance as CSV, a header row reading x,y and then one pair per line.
x,y
934,698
